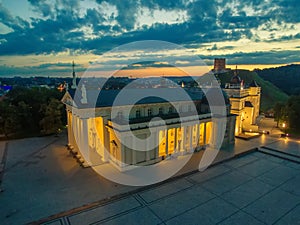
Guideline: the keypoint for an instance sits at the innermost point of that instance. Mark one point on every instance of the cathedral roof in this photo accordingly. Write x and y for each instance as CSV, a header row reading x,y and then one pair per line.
x,y
236,79
106,98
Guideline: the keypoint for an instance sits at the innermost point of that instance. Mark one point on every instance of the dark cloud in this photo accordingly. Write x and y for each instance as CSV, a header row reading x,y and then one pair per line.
x,y
127,12
147,64
259,57
61,27
59,64
286,10
56,69
15,23
43,7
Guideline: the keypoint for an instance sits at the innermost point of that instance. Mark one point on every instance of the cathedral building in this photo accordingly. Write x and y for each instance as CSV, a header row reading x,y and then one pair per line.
x,y
245,103
103,131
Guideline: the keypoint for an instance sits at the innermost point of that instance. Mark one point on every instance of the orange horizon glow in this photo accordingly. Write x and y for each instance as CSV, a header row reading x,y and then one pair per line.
x,y
257,66
172,71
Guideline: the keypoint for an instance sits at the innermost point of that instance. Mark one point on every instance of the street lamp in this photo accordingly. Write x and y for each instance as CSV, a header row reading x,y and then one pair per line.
x,y
284,127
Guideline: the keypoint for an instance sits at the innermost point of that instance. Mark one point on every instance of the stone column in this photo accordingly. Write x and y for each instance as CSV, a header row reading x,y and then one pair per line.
x,y
75,130
204,135
175,141
133,151
106,141
71,140
167,142
197,135
148,144
69,127
191,139
183,140
84,141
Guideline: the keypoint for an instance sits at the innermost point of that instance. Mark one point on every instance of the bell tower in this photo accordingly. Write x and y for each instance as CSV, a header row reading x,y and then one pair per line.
x,y
74,85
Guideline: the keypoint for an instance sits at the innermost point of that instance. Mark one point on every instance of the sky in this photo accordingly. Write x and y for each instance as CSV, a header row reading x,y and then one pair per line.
x,y
43,37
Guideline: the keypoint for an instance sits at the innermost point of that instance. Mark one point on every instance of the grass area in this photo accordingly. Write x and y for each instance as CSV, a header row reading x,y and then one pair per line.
x,y
270,93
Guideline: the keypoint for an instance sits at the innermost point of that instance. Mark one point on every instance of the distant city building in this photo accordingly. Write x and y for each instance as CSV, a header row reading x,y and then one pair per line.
x,y
245,103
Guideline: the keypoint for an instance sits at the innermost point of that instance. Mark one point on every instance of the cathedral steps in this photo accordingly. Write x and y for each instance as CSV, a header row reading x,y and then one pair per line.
x,y
280,154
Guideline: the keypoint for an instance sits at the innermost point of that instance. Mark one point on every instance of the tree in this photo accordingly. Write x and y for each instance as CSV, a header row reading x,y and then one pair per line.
x,y
25,117
10,122
52,112
279,112
293,110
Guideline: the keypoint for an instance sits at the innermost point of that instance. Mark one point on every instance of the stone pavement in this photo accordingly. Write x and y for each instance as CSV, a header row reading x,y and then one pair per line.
x,y
42,179
286,145
3,154
252,189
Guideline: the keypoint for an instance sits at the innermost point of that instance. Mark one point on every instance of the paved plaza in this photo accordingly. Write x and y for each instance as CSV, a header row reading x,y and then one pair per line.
x,y
252,189
43,183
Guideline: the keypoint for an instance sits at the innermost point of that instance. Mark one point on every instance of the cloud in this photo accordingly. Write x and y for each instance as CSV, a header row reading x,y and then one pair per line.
x,y
98,26
57,69
147,64
258,57
62,27
15,23
127,12
214,47
43,7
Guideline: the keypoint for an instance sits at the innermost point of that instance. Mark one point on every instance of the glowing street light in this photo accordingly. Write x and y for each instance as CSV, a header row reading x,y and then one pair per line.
x,y
284,127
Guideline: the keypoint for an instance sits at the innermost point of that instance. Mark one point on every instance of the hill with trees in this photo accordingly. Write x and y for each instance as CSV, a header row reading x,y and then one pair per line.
x,y
286,78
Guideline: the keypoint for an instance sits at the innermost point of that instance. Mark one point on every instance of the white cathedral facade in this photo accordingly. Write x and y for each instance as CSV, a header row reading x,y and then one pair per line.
x,y
128,135
102,137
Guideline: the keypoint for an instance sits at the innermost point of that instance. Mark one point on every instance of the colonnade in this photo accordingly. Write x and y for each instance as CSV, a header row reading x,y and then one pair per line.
x,y
184,139
168,141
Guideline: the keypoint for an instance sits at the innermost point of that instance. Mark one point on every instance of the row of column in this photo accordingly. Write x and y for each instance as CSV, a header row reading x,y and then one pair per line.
x,y
78,134
184,142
